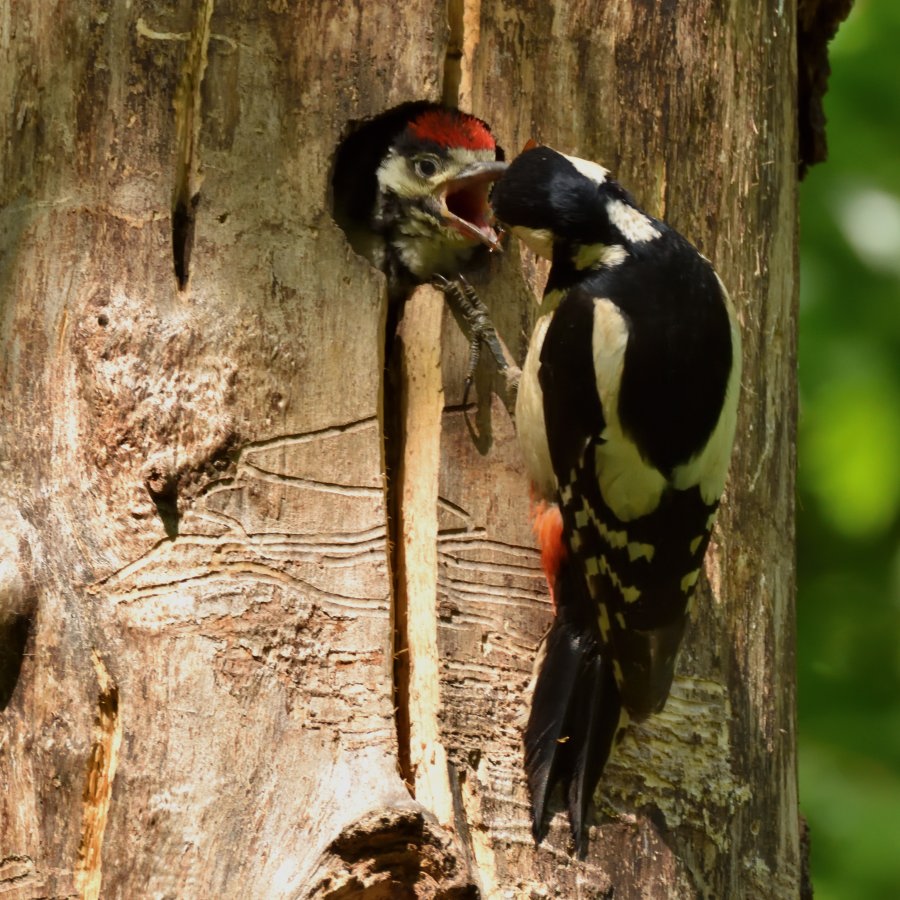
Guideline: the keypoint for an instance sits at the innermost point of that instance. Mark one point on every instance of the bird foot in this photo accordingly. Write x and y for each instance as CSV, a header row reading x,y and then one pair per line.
x,y
465,302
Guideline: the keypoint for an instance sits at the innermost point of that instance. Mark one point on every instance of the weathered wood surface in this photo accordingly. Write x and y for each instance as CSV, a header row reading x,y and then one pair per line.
x,y
692,107
195,551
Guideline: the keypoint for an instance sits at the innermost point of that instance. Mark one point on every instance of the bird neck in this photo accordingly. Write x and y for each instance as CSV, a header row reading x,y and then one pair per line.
x,y
615,232
416,242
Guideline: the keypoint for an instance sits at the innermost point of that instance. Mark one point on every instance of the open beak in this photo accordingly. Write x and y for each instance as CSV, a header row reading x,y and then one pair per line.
x,y
463,202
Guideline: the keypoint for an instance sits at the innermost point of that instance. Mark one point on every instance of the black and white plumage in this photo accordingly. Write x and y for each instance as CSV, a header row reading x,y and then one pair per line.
x,y
626,416
410,189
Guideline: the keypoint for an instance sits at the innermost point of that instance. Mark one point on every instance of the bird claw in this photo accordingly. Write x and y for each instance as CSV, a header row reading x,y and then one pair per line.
x,y
465,301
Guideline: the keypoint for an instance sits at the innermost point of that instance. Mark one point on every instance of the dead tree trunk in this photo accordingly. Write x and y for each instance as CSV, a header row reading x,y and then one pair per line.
x,y
198,616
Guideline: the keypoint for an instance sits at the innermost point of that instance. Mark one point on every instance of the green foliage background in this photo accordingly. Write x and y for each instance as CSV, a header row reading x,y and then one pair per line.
x,y
849,457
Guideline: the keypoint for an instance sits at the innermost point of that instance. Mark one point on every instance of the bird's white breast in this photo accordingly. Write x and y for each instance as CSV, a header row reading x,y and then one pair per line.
x,y
530,416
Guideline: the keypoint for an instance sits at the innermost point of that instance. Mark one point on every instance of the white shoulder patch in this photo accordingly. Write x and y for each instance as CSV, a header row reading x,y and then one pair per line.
x,y
589,169
629,485
608,341
633,224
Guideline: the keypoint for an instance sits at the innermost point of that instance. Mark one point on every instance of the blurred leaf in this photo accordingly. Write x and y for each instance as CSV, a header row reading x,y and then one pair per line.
x,y
849,471
863,801
851,452
870,220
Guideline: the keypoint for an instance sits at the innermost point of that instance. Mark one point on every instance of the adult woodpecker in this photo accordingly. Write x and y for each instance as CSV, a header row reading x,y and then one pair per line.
x,y
411,191
626,415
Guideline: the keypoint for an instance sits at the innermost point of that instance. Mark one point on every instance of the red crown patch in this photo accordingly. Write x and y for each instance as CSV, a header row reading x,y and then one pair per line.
x,y
450,128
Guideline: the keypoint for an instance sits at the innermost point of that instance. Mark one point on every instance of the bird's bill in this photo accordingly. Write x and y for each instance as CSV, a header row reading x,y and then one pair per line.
x,y
463,202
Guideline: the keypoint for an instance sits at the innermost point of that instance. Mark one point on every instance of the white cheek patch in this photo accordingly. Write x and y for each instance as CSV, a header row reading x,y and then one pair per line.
x,y
394,173
397,174
633,224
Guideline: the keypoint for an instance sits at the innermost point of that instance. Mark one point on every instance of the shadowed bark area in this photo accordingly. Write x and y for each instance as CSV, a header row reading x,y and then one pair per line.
x,y
199,619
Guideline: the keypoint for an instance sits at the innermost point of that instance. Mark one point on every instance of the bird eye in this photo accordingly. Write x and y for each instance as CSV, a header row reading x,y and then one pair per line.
x,y
426,166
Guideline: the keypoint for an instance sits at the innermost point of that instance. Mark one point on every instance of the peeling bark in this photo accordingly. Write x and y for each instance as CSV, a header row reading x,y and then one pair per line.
x,y
818,22
212,681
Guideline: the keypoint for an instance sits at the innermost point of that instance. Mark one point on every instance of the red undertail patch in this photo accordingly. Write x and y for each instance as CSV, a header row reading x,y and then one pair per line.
x,y
548,529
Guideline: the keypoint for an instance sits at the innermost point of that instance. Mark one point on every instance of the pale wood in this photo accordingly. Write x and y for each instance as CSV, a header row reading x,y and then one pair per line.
x,y
416,552
693,108
195,552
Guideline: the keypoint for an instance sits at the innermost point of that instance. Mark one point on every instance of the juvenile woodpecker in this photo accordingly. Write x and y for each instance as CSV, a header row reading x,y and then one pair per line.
x,y
626,416
411,192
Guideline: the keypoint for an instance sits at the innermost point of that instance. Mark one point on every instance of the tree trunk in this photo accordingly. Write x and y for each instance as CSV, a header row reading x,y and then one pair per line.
x,y
223,672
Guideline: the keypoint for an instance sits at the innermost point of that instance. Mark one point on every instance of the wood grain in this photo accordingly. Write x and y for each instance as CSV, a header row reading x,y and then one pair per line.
x,y
195,589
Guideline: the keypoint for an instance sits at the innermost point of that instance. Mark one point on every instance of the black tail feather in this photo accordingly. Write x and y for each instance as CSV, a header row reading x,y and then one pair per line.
x,y
574,712
595,715
546,734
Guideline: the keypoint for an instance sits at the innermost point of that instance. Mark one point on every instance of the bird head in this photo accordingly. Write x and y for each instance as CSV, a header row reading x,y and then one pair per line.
x,y
435,181
547,198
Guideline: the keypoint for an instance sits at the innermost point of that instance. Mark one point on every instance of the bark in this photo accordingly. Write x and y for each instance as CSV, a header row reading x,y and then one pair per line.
x,y
817,23
206,619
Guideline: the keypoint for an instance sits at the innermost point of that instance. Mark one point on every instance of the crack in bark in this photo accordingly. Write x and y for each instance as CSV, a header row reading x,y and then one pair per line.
x,y
14,635
463,23
18,597
411,411
347,490
98,786
17,871
453,55
304,437
183,220
229,573
393,439
188,117
413,404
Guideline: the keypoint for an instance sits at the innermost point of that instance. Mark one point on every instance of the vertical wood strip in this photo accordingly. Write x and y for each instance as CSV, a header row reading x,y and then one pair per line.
x,y
423,404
